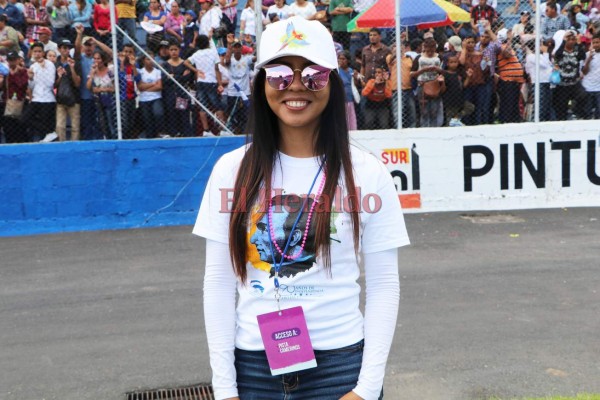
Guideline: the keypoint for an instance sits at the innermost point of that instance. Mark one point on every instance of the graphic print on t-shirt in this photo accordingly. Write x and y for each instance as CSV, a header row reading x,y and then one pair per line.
x,y
263,254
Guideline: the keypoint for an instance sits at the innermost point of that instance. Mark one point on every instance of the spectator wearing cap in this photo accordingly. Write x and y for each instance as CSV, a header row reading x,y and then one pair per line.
x,y
102,22
14,16
155,16
40,115
44,37
162,54
190,31
519,29
209,18
567,60
68,99
36,17
9,37
80,12
60,19
14,87
127,18
174,24
229,9
553,22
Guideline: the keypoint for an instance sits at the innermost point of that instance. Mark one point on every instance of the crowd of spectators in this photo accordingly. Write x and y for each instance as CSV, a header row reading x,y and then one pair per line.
x,y
57,74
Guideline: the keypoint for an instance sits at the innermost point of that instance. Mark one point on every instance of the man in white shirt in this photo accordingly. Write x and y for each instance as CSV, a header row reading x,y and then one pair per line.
x,y
41,112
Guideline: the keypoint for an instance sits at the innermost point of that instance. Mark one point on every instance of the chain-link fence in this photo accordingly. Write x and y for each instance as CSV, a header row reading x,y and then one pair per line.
x,y
182,68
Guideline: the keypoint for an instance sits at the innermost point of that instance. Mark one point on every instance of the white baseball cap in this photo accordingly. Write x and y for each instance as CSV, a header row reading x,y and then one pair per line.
x,y
297,36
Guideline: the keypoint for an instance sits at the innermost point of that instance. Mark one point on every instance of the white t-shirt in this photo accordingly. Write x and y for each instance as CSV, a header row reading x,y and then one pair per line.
x,y
205,61
305,12
250,19
210,20
330,303
239,73
591,80
42,84
283,12
149,77
546,67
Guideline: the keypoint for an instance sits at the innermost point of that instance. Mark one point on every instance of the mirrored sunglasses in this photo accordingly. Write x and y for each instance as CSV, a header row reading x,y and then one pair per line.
x,y
313,77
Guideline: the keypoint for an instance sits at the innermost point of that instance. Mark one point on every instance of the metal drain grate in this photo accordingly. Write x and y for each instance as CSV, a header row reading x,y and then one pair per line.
x,y
197,392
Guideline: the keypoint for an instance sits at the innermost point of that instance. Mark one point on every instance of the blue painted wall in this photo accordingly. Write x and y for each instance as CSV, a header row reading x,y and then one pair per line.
x,y
77,186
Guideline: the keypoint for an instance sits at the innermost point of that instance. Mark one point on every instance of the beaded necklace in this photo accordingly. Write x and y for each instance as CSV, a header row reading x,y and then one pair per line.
x,y
271,229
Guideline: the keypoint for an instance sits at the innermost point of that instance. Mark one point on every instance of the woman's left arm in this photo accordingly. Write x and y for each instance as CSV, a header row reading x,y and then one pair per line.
x,y
381,311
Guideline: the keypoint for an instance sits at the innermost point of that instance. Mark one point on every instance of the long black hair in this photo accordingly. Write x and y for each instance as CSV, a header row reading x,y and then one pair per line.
x,y
255,172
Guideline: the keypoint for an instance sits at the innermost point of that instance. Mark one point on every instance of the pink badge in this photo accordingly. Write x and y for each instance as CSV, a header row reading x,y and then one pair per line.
x,y
286,341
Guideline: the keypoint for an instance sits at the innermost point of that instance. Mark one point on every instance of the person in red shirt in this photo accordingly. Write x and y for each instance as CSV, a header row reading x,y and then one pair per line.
x,y
102,22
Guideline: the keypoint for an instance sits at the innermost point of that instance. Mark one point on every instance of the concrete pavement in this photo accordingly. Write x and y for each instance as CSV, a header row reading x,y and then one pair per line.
x,y
504,304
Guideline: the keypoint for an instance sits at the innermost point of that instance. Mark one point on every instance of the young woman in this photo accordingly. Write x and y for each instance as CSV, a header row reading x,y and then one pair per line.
x,y
102,22
101,81
204,63
347,74
294,258
150,99
155,16
176,101
14,90
248,21
80,12
428,72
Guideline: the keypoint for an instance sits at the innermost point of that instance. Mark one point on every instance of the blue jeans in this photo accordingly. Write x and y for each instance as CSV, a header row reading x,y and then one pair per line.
x,y
335,375
152,117
481,97
546,110
89,123
409,111
128,25
594,103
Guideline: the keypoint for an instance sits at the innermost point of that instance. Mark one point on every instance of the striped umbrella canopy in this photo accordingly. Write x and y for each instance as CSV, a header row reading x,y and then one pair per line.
x,y
420,13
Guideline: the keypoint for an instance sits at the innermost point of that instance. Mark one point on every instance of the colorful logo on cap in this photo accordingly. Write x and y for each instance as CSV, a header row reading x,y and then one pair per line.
x,y
292,38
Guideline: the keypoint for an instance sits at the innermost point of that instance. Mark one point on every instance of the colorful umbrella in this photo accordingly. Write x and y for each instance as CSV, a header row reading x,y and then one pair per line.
x,y
420,13
351,26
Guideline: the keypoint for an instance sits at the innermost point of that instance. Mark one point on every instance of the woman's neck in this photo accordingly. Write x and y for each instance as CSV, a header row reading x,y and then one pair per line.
x,y
297,142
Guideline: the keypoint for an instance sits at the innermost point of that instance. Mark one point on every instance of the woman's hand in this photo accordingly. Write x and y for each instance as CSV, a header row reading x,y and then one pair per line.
x,y
351,396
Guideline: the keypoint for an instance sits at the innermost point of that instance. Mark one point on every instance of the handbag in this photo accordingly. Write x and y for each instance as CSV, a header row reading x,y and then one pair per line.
x,y
431,89
65,94
555,77
14,107
181,103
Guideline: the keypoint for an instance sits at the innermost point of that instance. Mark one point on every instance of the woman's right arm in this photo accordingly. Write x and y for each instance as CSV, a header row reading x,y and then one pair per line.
x,y
219,318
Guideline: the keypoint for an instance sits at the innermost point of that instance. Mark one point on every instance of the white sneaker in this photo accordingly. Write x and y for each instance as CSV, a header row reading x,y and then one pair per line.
x,y
50,137
208,134
455,122
163,136
226,133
